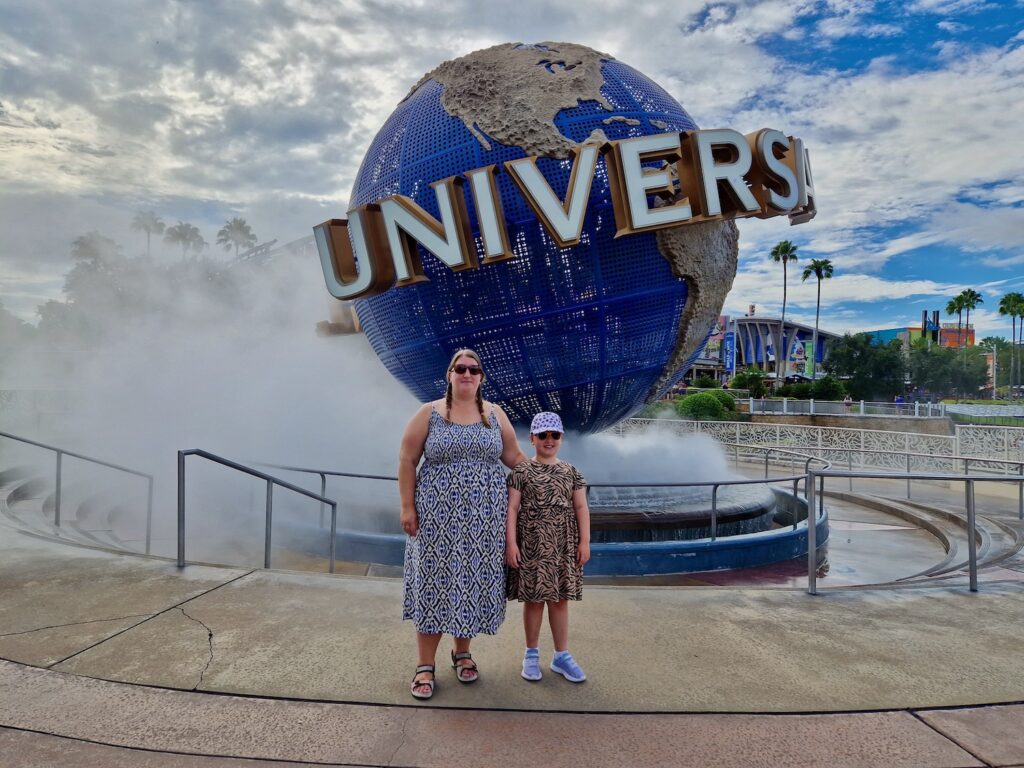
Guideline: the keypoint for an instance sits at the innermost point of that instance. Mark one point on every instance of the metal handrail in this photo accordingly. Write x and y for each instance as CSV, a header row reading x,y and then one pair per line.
x,y
61,453
715,484
323,473
968,460
271,482
968,480
804,406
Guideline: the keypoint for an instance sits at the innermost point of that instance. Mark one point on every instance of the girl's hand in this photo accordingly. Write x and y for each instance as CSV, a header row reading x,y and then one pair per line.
x,y
582,554
409,522
511,554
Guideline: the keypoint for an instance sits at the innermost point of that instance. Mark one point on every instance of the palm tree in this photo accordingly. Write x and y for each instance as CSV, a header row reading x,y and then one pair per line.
x,y
821,269
150,223
970,299
1012,304
236,233
955,306
187,236
785,252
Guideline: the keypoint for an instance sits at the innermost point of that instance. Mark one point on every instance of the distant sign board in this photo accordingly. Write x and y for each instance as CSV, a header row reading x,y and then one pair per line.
x,y
729,352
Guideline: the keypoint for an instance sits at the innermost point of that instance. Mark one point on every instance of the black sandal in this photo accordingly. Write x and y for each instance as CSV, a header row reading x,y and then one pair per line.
x,y
416,683
461,669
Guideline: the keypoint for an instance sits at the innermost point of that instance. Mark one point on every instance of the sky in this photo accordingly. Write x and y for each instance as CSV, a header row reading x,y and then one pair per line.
x,y
203,111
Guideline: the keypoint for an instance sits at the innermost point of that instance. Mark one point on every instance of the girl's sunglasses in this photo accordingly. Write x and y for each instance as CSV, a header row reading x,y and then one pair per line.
x,y
475,370
544,435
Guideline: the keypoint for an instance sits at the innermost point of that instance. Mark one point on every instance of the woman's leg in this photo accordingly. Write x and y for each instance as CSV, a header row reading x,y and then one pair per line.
x,y
533,617
558,618
426,650
462,646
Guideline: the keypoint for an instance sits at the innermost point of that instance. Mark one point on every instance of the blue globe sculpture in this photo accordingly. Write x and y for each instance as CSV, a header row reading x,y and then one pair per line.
x,y
592,331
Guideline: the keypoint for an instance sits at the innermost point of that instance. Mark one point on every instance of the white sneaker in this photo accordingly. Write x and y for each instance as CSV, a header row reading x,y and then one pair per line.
x,y
531,668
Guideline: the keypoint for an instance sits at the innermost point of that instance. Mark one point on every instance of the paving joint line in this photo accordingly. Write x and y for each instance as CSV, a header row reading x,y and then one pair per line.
x,y
914,714
74,624
149,618
83,740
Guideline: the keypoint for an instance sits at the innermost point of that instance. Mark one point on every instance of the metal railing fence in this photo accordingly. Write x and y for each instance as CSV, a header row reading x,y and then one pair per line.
x,y
271,482
324,474
792,406
908,462
816,484
58,490
768,451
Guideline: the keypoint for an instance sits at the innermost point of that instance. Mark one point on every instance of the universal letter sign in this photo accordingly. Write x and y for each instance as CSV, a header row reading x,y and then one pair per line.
x,y
695,176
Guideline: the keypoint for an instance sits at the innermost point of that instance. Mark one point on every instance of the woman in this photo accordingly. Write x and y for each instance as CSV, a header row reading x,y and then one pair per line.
x,y
454,514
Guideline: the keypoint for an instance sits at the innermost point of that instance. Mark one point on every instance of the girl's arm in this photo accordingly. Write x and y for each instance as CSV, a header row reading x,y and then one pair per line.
x,y
409,455
511,547
510,452
579,505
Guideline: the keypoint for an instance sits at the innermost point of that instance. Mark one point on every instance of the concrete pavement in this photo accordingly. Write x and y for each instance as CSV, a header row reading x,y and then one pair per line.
x,y
120,660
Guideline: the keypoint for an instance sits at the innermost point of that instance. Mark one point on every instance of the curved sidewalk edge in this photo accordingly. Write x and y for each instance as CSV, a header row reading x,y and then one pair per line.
x,y
156,721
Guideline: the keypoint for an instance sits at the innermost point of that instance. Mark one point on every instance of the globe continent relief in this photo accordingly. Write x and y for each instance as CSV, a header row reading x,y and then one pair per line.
x,y
592,332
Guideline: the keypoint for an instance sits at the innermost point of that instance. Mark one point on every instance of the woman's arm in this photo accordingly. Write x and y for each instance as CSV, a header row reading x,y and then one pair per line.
x,y
409,455
511,547
579,505
510,452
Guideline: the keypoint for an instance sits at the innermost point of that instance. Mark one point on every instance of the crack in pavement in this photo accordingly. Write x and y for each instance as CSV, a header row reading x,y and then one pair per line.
x,y
401,740
209,640
74,624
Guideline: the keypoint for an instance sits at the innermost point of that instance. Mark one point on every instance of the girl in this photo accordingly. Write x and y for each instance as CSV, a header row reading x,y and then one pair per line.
x,y
547,541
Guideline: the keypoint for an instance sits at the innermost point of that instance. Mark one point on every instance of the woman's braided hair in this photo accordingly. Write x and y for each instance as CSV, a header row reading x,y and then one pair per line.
x,y
448,389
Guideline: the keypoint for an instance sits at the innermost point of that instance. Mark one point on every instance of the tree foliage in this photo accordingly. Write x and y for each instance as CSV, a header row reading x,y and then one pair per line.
x,y
828,388
186,236
236,234
751,379
705,382
784,252
1012,305
150,223
106,293
869,370
942,371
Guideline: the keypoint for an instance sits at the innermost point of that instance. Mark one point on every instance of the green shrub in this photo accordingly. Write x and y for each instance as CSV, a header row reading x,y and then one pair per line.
x,y
828,388
701,406
727,400
784,390
705,382
750,379
801,391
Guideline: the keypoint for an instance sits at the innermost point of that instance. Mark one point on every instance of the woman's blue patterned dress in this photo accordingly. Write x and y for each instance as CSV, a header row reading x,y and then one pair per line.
x,y
455,565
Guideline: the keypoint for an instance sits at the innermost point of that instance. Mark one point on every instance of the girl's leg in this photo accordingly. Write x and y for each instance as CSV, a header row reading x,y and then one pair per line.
x,y
558,618
533,617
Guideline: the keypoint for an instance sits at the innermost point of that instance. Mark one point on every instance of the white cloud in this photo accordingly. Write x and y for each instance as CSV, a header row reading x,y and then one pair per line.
x,y
1004,261
103,113
948,6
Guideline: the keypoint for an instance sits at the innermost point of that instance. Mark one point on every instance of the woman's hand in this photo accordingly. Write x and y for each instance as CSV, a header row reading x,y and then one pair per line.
x,y
409,522
512,555
582,554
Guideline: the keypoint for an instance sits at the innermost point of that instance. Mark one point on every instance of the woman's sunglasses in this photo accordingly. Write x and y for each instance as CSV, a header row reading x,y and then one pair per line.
x,y
544,435
473,369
